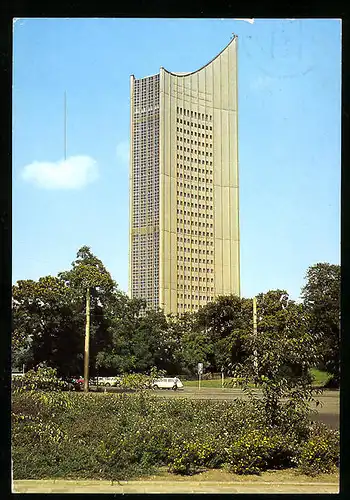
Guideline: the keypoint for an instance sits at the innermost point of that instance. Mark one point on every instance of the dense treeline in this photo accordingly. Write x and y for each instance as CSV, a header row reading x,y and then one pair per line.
x,y
49,327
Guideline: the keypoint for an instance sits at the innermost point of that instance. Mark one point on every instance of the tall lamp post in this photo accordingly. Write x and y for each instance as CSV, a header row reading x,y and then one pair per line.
x,y
87,342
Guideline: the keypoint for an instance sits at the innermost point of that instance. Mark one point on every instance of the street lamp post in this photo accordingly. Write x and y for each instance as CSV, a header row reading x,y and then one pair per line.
x,y
87,342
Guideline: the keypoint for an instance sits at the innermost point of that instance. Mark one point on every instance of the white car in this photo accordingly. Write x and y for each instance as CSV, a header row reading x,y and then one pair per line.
x,y
167,383
109,381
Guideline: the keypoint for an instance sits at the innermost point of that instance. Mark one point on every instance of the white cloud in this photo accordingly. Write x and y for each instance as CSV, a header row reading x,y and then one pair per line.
x,y
250,21
73,173
123,152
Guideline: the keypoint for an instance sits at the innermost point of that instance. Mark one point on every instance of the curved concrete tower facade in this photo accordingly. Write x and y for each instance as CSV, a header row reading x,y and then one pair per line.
x,y
184,201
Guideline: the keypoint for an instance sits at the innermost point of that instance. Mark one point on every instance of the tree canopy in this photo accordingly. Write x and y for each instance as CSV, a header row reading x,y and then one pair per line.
x,y
321,297
49,321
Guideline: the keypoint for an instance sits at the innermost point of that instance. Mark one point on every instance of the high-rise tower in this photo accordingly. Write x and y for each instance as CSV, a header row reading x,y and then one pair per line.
x,y
184,190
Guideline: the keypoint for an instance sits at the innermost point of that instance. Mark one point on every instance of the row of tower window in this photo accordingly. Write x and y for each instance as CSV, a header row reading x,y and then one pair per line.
x,y
201,289
143,177
194,151
144,239
184,277
194,205
191,141
193,297
194,260
193,214
142,283
141,277
205,170
192,132
195,242
152,196
144,108
200,179
192,222
193,114
190,203
141,223
145,181
146,85
190,306
209,261
142,127
136,284
152,193
143,139
194,124
194,187
154,279
189,286
147,147
195,160
189,231
146,169
152,212
146,130
187,249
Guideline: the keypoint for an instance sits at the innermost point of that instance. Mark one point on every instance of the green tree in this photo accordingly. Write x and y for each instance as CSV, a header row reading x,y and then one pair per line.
x,y
226,320
321,297
119,356
285,350
46,325
169,354
195,345
89,278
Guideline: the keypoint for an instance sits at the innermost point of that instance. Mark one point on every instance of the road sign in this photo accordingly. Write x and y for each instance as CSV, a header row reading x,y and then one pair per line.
x,y
200,368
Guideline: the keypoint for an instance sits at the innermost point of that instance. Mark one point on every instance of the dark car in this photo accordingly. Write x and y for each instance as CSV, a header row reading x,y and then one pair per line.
x,y
74,383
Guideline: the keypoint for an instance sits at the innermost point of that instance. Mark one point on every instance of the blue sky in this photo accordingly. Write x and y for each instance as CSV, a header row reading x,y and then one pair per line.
x,y
289,139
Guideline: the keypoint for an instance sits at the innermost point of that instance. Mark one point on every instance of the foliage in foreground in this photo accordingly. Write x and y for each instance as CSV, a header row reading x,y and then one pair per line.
x,y
119,436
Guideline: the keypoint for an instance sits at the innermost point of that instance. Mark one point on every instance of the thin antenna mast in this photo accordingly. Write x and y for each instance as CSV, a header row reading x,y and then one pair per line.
x,y
65,125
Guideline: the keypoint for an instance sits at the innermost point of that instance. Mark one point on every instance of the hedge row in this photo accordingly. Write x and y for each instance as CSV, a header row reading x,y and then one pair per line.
x,y
119,436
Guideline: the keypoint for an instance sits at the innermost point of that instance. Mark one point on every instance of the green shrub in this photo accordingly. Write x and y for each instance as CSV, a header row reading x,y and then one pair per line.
x,y
136,381
257,450
185,457
320,453
119,436
44,378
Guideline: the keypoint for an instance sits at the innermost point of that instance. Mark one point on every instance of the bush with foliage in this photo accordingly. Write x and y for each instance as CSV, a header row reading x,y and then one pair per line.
x,y
257,450
136,381
120,436
43,378
320,452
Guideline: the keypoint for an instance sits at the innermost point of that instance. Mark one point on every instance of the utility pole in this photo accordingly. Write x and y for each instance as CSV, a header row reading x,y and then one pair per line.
x,y
87,342
255,332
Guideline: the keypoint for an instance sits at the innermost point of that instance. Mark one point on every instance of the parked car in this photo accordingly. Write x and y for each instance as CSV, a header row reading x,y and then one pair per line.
x,y
109,381
167,383
75,383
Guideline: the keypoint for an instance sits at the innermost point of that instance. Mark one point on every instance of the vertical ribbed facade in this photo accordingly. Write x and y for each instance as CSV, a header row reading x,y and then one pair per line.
x,y
184,247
